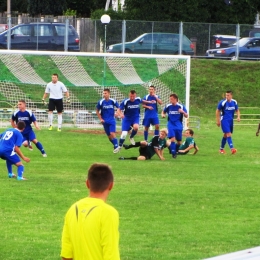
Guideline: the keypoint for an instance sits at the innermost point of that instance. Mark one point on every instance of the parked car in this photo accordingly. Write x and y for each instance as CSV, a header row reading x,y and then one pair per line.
x,y
222,41
254,33
3,27
40,36
248,48
155,43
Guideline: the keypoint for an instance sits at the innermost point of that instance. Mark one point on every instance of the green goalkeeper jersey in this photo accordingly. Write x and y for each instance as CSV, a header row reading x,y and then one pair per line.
x,y
189,141
155,143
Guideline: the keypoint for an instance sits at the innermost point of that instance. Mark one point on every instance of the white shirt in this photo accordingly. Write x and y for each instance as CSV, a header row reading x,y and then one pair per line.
x,y
56,90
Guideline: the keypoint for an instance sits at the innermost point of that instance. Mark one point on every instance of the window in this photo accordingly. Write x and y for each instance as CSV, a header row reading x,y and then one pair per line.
x,y
60,29
43,30
150,38
24,30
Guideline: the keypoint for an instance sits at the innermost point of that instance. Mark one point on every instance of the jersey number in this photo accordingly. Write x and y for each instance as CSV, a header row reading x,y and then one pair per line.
x,y
7,135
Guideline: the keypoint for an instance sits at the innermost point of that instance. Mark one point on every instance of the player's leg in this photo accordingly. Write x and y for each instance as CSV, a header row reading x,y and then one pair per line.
x,y
178,137
32,137
112,137
134,130
155,122
229,138
51,107
15,159
126,124
146,124
137,144
59,107
225,129
171,136
10,169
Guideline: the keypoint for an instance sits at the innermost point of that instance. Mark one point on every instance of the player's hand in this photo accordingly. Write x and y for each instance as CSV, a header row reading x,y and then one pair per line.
x,y
150,108
68,100
162,158
37,127
26,159
102,121
218,123
238,119
43,101
257,133
163,115
153,101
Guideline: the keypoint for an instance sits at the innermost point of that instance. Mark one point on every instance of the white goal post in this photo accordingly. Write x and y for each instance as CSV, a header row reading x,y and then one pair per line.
x,y
24,75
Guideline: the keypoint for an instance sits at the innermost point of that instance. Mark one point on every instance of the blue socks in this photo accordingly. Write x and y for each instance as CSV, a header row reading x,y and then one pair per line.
x,y
223,143
173,148
121,141
156,132
229,140
20,169
145,135
40,147
133,133
114,142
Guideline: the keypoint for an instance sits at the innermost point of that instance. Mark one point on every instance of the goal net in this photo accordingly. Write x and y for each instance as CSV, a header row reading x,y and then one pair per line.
x,y
24,75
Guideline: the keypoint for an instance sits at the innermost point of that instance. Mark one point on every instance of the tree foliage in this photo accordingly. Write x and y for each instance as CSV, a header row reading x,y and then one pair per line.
x,y
204,11
46,7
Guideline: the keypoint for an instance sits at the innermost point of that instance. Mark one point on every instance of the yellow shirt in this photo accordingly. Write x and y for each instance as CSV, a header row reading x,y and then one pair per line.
x,y
91,231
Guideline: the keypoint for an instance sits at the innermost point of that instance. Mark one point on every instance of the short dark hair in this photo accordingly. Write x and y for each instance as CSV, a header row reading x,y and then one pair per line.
x,y
55,74
107,89
230,92
99,176
174,95
191,131
132,91
22,101
152,86
20,125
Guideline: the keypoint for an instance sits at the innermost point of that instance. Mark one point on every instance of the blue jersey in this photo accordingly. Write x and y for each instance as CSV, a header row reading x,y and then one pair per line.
x,y
9,139
174,116
27,116
227,109
131,108
107,110
154,112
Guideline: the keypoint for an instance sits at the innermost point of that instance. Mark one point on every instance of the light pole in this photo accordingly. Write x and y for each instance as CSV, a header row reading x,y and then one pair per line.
x,y
9,24
105,19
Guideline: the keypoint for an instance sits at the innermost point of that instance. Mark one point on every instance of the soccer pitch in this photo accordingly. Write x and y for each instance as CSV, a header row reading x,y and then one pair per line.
x,y
191,207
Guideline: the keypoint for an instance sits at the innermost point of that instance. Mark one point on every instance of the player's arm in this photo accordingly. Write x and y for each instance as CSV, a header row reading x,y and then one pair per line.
x,y
187,149
148,107
159,101
18,151
258,129
36,125
163,114
159,153
99,116
238,115
120,113
196,149
218,117
183,112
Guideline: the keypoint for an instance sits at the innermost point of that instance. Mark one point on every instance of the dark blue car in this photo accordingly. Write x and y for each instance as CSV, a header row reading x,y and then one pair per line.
x,y
249,48
40,36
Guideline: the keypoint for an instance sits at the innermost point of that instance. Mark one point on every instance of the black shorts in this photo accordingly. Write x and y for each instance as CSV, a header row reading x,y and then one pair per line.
x,y
55,104
143,151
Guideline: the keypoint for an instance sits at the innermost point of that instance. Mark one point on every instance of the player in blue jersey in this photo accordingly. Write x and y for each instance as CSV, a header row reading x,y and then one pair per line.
x,y
176,112
22,114
10,142
224,116
105,110
130,117
150,103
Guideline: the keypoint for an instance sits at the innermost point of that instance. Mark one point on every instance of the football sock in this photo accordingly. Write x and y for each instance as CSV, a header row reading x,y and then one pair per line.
x,y
50,117
121,141
173,148
137,144
20,169
133,133
177,148
223,143
130,158
40,147
156,132
229,140
145,135
114,142
9,167
59,120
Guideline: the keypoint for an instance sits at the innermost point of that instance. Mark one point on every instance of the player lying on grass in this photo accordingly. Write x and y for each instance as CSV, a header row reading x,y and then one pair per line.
x,y
148,150
188,144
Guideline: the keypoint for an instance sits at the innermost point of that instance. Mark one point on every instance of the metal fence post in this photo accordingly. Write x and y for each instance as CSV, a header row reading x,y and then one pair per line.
x,y
9,19
123,35
238,36
180,37
66,35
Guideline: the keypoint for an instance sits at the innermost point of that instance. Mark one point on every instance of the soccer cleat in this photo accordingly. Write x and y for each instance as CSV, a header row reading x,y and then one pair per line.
x,y
50,128
233,150
11,175
116,150
222,151
59,130
132,141
21,179
126,146
30,147
121,158
174,156
44,155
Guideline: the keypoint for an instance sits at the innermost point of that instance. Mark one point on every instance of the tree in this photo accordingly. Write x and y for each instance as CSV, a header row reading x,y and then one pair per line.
x,y
46,7
203,11
16,5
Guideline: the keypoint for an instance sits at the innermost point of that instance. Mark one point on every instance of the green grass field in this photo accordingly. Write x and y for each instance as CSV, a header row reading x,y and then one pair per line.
x,y
189,208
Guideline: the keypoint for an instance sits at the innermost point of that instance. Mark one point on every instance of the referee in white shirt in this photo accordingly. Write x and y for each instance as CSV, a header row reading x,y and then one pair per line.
x,y
55,89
